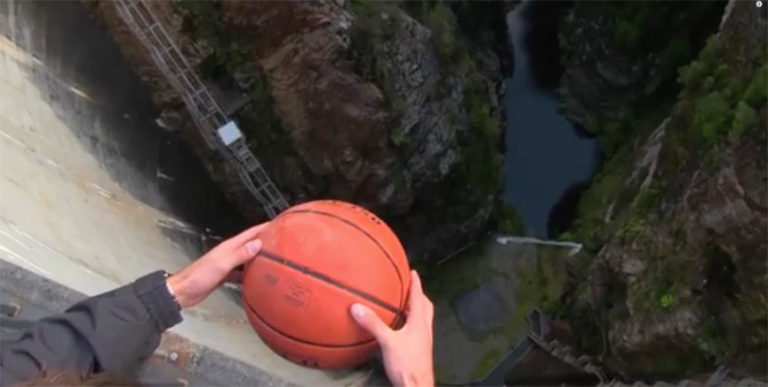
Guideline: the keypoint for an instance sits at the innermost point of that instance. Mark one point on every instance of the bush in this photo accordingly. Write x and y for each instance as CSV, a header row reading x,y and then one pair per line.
x,y
710,115
374,23
626,34
481,159
399,137
508,220
677,52
589,225
692,74
755,94
744,117
203,19
441,22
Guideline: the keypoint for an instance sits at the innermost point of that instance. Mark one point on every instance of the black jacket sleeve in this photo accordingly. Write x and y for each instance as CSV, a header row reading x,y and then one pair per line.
x,y
115,331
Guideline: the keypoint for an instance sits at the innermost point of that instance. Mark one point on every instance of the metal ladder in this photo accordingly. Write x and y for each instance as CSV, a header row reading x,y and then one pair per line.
x,y
569,356
205,111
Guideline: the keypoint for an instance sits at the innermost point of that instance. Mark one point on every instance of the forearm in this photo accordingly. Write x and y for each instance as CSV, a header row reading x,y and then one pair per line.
x,y
114,331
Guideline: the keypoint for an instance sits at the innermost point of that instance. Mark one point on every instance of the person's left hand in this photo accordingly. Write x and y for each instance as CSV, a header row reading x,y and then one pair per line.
x,y
195,282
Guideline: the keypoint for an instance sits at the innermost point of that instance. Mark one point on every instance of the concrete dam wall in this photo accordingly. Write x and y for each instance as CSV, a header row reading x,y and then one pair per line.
x,y
84,172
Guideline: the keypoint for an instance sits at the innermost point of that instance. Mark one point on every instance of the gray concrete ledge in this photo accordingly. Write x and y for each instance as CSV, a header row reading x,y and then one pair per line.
x,y
203,365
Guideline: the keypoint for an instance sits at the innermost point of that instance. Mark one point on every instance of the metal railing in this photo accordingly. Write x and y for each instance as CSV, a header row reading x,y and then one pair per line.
x,y
200,103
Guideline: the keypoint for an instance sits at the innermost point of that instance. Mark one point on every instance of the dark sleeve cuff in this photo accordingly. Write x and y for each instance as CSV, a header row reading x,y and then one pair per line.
x,y
152,291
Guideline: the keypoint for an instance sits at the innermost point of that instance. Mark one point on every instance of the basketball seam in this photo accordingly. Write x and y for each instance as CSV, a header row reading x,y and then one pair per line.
x,y
386,254
258,316
333,282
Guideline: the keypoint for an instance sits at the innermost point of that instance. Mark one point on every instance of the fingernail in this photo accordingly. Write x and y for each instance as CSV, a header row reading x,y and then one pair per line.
x,y
358,311
254,246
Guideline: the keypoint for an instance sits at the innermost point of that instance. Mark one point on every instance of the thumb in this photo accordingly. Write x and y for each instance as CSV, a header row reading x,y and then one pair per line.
x,y
247,251
371,322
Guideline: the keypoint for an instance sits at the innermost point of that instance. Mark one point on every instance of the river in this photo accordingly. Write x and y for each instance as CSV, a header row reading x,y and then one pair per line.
x,y
548,160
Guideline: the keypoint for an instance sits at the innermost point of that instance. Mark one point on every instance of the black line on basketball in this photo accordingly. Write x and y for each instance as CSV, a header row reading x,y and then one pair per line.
x,y
392,261
247,305
322,277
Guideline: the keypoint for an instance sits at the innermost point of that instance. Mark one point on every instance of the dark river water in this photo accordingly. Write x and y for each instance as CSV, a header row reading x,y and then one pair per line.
x,y
548,161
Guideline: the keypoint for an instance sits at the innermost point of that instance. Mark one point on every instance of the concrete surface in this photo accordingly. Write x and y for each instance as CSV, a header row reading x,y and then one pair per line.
x,y
482,299
481,310
79,196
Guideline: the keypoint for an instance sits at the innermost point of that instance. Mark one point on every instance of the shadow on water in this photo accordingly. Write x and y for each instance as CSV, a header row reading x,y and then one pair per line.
x,y
566,209
541,41
548,159
117,125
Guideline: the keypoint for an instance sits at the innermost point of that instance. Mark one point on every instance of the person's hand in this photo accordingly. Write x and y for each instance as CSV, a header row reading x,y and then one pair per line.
x,y
407,352
195,282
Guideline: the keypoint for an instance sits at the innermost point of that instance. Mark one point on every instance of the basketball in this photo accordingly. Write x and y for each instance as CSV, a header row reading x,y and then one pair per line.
x,y
318,258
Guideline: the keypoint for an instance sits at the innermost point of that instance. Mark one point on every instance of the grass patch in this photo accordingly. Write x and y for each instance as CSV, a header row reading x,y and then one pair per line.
x,y
671,271
457,275
441,21
589,226
486,363
540,284
507,220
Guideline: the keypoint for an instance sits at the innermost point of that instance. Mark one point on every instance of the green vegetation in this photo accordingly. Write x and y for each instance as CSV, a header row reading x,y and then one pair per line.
x,y
525,277
200,20
507,220
589,224
666,300
476,176
465,272
441,21
711,338
721,98
710,113
232,55
486,364
540,282
744,117
481,160
631,28
725,96
399,137
669,275
375,24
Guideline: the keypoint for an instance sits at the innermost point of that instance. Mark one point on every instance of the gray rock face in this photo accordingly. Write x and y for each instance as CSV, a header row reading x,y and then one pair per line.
x,y
336,128
596,77
608,69
429,118
684,291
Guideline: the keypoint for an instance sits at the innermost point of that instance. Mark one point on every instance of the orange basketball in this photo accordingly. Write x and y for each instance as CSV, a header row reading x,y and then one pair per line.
x,y
319,258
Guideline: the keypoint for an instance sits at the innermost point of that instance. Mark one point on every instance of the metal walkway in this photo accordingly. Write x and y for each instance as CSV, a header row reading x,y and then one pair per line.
x,y
205,111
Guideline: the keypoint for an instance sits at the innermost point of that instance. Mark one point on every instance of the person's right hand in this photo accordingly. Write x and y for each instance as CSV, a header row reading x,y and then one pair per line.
x,y
407,352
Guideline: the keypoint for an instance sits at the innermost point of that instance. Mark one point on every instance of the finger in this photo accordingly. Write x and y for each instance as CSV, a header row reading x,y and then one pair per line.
x,y
235,277
416,297
430,310
247,235
371,322
246,252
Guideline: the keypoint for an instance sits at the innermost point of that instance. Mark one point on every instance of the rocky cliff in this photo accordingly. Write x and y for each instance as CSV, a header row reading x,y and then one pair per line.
x,y
618,68
675,224
354,101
